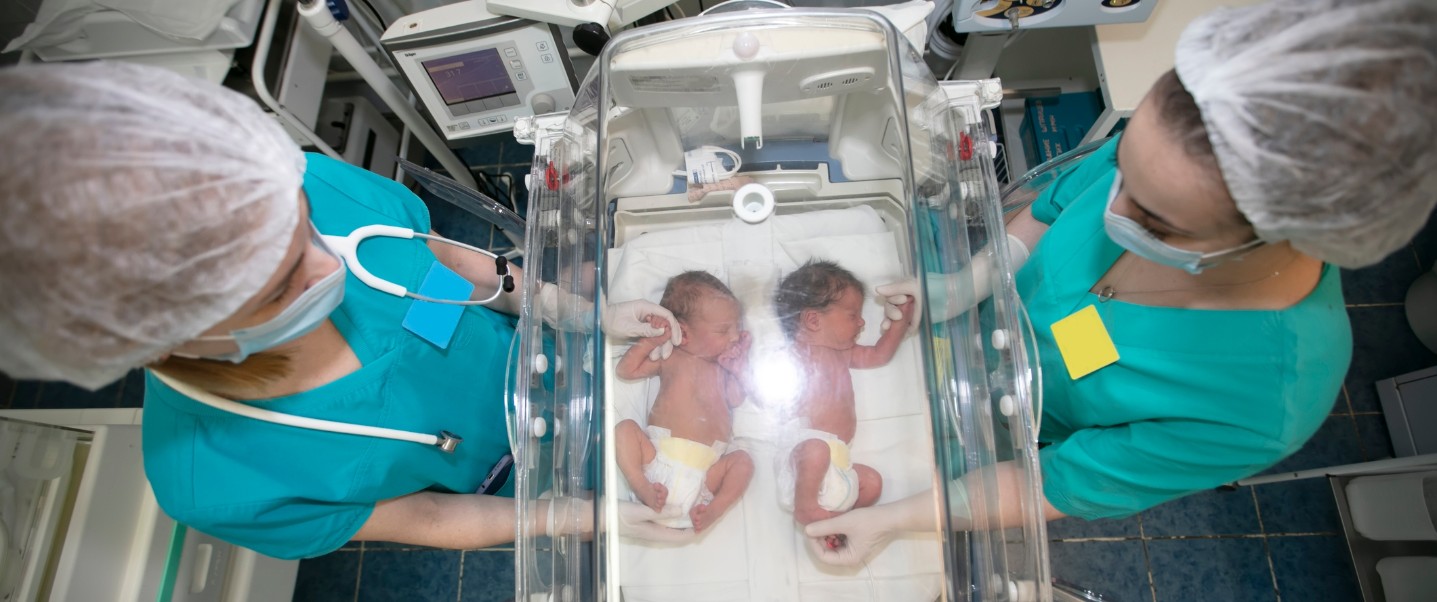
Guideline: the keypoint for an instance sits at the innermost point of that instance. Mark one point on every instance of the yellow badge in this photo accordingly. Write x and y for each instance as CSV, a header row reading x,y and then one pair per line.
x,y
1084,342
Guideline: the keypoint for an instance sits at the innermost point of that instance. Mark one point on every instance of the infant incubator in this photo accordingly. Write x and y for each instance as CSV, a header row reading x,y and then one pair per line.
x,y
746,145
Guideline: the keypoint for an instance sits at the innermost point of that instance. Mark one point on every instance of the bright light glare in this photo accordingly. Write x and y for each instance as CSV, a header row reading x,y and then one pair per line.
x,y
777,377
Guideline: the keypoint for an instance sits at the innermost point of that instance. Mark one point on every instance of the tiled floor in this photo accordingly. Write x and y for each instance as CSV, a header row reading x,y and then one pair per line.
x,y
1269,543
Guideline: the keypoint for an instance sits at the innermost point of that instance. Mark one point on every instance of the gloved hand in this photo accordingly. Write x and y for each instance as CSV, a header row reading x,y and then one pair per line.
x,y
564,310
949,295
632,319
867,530
568,516
637,521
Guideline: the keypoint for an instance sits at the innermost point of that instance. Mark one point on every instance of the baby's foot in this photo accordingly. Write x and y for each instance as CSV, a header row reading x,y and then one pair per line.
x,y
654,496
701,517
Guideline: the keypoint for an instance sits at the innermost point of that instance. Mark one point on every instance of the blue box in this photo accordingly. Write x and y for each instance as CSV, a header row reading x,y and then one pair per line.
x,y
1055,125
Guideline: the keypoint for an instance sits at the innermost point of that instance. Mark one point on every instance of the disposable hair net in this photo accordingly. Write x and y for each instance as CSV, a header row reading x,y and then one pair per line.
x,y
1323,116
140,208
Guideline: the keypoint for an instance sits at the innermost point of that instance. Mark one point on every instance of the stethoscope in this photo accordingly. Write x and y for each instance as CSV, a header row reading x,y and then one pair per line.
x,y
347,248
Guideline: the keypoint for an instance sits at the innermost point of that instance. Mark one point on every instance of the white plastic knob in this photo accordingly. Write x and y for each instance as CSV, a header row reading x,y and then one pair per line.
x,y
541,364
745,45
1007,405
539,427
542,103
753,203
1000,339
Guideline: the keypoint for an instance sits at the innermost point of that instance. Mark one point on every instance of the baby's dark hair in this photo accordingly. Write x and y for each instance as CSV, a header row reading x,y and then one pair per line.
x,y
816,285
683,292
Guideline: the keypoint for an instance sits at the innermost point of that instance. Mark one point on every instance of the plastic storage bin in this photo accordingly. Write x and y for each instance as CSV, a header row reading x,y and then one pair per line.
x,y
870,164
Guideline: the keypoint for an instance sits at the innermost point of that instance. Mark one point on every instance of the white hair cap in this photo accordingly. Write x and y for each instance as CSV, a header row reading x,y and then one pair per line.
x,y
1322,115
140,209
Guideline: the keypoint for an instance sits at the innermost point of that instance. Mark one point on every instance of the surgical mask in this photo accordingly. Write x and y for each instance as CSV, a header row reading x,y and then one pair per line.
x,y
1132,236
306,313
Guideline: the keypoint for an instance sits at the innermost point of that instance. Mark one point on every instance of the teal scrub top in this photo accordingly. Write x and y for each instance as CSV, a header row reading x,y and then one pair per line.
x,y
1198,398
295,493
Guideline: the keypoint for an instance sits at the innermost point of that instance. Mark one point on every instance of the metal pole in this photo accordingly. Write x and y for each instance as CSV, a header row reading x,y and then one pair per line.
x,y
1374,467
318,16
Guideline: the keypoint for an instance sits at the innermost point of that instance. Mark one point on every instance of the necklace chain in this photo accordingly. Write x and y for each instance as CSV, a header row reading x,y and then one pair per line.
x,y
1107,293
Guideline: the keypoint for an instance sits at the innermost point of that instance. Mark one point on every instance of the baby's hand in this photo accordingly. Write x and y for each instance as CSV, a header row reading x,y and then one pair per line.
x,y
906,313
735,358
663,343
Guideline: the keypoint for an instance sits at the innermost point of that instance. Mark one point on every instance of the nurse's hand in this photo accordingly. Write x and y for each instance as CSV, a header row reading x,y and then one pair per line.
x,y
634,320
637,521
894,295
861,532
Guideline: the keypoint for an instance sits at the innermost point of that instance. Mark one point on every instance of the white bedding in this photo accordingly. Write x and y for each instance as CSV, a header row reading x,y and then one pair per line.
x,y
757,551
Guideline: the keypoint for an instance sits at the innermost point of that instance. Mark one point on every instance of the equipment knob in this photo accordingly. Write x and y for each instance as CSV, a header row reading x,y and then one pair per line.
x,y
542,103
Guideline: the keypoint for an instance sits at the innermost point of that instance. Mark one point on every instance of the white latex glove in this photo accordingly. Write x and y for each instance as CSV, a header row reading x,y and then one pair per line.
x,y
564,310
569,515
629,320
949,295
637,521
867,530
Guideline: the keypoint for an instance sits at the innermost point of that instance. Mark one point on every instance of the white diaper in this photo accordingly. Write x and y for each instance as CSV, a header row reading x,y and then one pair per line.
x,y
682,466
840,484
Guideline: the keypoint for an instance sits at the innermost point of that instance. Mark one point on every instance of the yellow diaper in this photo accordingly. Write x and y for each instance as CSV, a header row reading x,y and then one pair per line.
x,y
689,453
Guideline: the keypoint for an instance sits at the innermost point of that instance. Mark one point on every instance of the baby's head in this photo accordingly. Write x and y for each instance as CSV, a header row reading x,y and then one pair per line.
x,y
707,311
821,304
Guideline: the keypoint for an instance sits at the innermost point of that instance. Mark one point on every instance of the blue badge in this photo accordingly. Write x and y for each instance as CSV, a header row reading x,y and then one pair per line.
x,y
436,322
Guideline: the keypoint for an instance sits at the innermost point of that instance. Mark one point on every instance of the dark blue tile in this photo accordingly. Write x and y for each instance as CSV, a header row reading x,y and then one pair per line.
x,y
1383,346
1425,244
1115,569
26,395
483,152
419,575
7,390
1211,569
61,395
370,546
513,152
1204,513
132,394
1077,528
1334,444
1385,282
1313,568
488,577
1305,506
1372,432
332,577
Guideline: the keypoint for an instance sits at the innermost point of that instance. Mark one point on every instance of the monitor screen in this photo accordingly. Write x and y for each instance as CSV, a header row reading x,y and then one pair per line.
x,y
469,76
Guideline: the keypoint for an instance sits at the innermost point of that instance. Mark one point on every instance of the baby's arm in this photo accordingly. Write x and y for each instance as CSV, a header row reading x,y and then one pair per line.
x,y
734,362
880,354
636,363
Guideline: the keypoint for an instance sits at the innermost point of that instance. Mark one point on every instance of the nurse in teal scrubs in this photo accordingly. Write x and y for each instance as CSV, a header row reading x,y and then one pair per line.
x,y
1204,243
165,222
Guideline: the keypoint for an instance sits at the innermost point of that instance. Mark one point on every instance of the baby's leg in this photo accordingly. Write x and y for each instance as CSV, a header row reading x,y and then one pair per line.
x,y
870,486
727,479
810,464
633,450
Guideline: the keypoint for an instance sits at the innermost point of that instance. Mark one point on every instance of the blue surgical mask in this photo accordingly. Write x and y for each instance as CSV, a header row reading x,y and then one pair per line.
x,y
305,314
1138,240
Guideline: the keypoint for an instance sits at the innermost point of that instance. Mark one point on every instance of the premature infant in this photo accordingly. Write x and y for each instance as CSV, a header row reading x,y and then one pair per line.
x,y
820,307
681,465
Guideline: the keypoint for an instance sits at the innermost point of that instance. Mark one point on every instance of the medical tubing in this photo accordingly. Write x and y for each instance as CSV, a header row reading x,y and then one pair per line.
x,y
319,17
498,290
315,424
